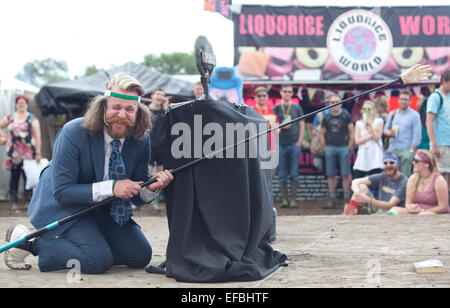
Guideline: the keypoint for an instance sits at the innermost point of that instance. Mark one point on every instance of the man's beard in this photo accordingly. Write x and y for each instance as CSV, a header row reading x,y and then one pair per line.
x,y
391,171
118,132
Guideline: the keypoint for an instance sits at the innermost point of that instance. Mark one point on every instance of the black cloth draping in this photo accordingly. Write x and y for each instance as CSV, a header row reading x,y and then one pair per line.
x,y
220,212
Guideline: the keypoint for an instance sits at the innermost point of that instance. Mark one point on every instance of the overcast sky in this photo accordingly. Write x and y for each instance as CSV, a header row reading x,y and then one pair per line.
x,y
112,32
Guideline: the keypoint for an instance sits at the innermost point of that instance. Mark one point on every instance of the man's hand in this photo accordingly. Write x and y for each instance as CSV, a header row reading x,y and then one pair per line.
x,y
163,180
126,189
389,133
361,198
435,151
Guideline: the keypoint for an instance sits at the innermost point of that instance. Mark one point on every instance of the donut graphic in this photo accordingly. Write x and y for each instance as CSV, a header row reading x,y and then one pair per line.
x,y
407,56
312,57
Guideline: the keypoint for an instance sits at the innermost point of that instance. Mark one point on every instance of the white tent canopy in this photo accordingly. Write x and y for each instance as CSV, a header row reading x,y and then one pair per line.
x,y
9,83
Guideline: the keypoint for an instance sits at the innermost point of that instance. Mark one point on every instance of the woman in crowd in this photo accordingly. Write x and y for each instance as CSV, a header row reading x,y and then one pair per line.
x,y
368,131
426,191
23,142
382,107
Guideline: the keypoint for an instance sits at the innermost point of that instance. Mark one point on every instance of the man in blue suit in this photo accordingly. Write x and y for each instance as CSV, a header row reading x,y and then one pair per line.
x,y
103,154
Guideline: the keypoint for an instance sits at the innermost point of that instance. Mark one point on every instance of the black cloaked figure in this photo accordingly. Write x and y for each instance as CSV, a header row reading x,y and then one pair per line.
x,y
220,211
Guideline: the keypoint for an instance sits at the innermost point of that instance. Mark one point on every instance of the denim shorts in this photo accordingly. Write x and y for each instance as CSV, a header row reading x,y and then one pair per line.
x,y
443,162
337,157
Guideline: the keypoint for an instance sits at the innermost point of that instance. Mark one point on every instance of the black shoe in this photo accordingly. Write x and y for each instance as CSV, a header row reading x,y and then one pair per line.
x,y
13,197
28,194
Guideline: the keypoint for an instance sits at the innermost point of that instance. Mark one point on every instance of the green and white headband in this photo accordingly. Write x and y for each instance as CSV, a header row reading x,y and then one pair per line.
x,y
139,99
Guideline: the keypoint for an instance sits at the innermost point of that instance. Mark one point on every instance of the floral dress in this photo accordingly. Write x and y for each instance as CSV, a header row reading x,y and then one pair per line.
x,y
20,143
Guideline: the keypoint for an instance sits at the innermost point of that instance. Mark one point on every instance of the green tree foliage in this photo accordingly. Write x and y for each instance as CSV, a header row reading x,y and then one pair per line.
x,y
42,72
91,70
172,63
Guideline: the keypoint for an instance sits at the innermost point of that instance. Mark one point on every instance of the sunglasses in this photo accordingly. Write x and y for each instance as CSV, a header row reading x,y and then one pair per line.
x,y
389,162
367,108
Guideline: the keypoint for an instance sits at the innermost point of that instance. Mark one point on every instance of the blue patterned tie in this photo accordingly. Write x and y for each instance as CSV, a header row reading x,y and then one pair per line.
x,y
121,208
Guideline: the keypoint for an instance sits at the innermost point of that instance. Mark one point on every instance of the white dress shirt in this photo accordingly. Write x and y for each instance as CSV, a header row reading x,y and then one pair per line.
x,y
104,189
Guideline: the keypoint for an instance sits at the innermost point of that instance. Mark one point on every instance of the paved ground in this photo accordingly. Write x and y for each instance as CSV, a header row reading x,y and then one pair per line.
x,y
324,251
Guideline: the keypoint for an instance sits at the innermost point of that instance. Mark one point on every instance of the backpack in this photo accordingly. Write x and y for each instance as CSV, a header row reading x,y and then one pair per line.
x,y
316,147
423,109
387,139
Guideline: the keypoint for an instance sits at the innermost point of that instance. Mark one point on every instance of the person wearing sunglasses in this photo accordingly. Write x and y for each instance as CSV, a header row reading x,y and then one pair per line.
x,y
368,132
404,128
261,96
390,186
290,141
426,191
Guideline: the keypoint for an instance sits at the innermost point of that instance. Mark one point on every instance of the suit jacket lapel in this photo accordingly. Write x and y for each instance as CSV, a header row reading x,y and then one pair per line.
x,y
98,155
129,154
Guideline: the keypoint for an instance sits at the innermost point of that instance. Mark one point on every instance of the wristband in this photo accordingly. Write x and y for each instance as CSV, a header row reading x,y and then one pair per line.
x,y
393,212
355,204
113,183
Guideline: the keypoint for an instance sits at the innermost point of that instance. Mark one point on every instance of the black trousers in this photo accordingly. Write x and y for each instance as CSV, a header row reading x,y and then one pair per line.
x,y
16,172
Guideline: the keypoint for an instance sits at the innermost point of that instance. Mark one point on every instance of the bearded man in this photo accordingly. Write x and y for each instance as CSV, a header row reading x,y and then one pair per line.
x,y
104,154
389,184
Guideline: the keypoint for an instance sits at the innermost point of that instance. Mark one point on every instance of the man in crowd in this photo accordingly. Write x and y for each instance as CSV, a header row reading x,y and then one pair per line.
x,y
261,95
157,134
290,140
438,125
390,186
317,122
404,128
101,155
198,90
336,136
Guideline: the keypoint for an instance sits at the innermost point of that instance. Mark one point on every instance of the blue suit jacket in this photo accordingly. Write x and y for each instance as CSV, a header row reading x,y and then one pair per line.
x,y
65,186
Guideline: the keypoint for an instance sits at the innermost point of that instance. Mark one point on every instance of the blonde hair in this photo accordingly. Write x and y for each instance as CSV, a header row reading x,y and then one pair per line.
x,y
382,104
432,166
93,118
372,104
368,102
125,82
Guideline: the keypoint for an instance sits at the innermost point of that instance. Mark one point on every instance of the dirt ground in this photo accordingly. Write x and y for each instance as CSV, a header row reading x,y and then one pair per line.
x,y
304,208
324,250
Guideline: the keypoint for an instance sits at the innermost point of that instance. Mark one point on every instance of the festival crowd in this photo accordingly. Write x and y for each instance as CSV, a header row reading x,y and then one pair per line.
x,y
402,156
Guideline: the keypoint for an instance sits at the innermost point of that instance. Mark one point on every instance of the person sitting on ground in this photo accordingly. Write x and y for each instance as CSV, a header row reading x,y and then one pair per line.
x,y
426,191
390,185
